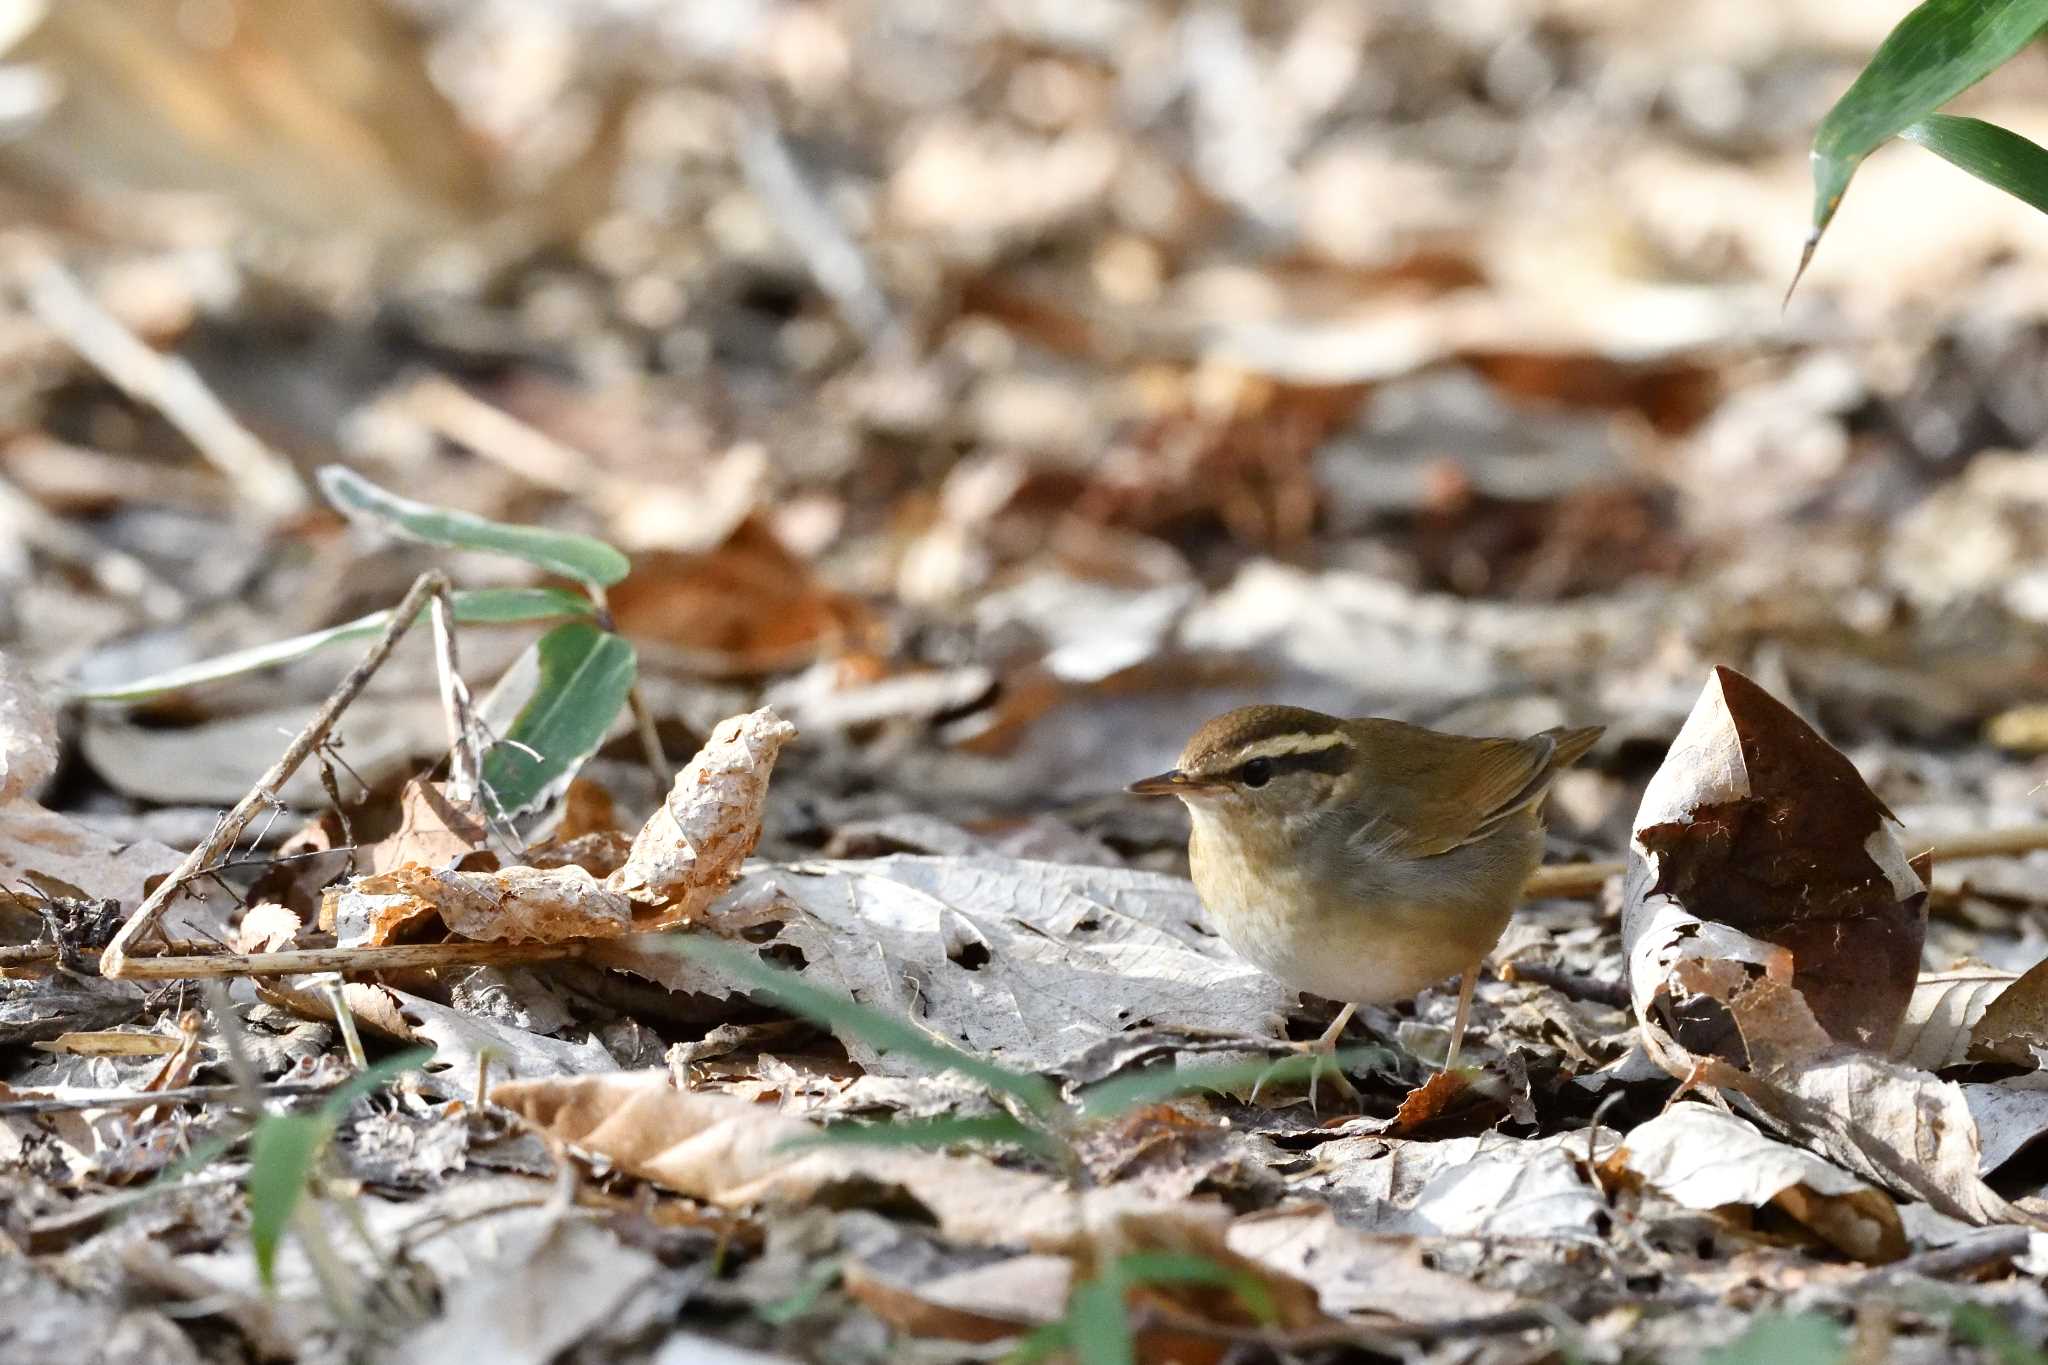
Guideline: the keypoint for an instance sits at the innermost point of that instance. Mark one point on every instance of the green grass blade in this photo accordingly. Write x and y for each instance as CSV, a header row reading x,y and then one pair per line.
x,y
572,556
1134,1091
1784,1339
486,606
1997,156
281,1155
1934,54
1043,1344
1098,1329
883,1032
939,1132
585,674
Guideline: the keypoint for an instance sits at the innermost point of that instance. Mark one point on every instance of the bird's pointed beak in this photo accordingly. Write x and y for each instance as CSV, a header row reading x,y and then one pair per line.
x,y
1173,782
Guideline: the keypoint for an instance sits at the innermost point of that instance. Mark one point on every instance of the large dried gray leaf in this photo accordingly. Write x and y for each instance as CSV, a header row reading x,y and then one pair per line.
x,y
1488,1186
1027,963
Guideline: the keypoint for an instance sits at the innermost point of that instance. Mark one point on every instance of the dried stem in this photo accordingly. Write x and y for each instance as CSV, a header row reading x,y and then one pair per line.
x,y
464,767
295,961
1581,881
115,961
166,383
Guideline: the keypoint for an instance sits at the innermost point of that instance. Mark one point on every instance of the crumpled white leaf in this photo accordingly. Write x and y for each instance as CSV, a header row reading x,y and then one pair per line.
x,y
28,733
1026,963
1489,1186
1704,1157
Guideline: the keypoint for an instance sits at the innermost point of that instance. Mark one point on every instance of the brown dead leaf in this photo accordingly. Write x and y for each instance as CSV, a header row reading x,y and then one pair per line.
x,y
748,607
690,851
2014,1025
1941,1018
1756,823
738,1155
988,1301
433,831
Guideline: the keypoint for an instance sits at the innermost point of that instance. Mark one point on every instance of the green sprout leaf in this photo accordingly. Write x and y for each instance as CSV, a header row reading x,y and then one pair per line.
x,y
1997,156
484,607
573,556
883,1032
283,1148
585,673
1934,54
281,1155
939,1132
1134,1091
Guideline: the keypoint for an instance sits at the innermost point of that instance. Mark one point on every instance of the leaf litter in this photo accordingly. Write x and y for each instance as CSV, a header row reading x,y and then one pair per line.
x,y
995,397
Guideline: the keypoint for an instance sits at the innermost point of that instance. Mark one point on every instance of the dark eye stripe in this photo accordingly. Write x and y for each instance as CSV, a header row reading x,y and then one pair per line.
x,y
1331,760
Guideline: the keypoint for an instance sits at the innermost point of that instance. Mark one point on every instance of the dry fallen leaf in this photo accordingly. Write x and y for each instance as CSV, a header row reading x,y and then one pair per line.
x,y
2014,1025
738,1155
686,855
1756,823
1941,1018
28,734
1703,1158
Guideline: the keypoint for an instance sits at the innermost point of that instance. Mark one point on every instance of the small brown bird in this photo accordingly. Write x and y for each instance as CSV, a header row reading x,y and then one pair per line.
x,y
1363,859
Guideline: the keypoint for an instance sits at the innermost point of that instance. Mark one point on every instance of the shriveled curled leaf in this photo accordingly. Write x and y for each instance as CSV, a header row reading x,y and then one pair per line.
x,y
1757,824
686,855
572,556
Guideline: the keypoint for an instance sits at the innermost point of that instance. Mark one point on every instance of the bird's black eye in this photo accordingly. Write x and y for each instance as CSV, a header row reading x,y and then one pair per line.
x,y
1256,773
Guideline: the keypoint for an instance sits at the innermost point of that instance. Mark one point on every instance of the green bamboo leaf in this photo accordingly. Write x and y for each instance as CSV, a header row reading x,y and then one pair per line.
x,y
1934,54
585,674
1997,156
1134,1091
938,1132
281,1155
883,1032
573,556
484,607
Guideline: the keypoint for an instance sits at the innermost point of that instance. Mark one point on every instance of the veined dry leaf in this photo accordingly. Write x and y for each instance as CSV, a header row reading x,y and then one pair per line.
x,y
1703,1158
1756,823
1026,963
433,831
737,1155
1355,1271
2011,1116
265,928
1941,1018
2014,1025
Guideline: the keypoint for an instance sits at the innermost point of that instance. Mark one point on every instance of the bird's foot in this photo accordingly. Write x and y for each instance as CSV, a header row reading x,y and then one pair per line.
x,y
1323,1050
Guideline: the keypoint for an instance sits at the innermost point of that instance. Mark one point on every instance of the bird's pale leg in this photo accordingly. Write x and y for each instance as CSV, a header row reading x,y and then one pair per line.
x,y
1324,1049
1321,1049
1465,985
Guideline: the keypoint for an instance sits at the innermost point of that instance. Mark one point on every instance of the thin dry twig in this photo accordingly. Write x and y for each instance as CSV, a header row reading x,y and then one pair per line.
x,y
115,961
1573,984
143,1099
165,382
464,767
1580,881
395,957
